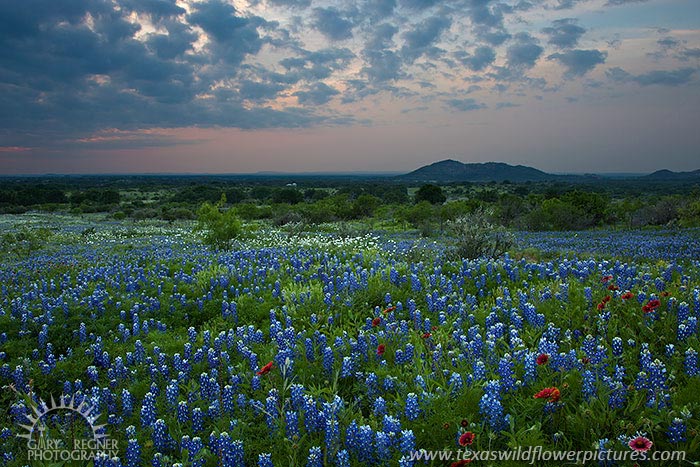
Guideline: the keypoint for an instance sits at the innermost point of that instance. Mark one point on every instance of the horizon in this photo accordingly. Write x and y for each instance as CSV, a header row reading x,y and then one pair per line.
x,y
326,86
319,173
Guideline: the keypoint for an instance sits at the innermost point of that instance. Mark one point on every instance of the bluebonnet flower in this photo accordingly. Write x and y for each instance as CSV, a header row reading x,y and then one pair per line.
x,y
160,435
315,458
382,446
272,408
676,431
690,362
265,460
148,410
407,442
617,346
490,406
379,406
183,412
589,388
506,371
292,424
455,383
310,414
342,458
197,420
133,453
328,360
412,409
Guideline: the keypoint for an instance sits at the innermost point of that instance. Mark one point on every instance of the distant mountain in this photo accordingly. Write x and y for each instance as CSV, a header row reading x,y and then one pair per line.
x,y
669,176
454,171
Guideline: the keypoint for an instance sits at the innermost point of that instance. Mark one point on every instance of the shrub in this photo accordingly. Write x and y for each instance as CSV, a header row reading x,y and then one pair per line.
x,y
220,226
473,236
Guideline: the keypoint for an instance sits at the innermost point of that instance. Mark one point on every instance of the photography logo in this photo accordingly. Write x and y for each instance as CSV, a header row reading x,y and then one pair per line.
x,y
50,438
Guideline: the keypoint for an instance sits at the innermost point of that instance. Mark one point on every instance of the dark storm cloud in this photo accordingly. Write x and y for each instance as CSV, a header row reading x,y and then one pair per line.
x,y
422,38
564,33
525,52
316,94
579,62
465,105
332,23
657,77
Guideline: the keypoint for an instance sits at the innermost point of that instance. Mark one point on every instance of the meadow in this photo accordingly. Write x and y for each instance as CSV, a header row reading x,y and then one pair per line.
x,y
313,348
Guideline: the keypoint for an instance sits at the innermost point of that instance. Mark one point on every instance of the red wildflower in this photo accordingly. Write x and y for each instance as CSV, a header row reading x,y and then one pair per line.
x,y
376,321
640,444
607,298
551,394
380,349
585,360
613,287
389,310
601,305
264,370
542,359
665,293
466,439
652,305
606,279
464,423
627,295
461,463
426,335
433,328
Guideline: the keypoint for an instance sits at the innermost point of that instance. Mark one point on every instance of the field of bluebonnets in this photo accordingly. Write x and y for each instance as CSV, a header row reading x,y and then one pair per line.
x,y
314,349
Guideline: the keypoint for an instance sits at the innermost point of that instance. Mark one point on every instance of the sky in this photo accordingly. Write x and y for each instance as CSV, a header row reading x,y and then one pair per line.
x,y
240,86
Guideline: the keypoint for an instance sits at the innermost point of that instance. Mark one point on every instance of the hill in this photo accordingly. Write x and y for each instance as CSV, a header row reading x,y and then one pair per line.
x,y
667,175
454,171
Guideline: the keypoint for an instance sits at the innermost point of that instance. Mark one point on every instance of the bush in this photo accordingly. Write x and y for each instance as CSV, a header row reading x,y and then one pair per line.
x,y
220,227
430,193
473,236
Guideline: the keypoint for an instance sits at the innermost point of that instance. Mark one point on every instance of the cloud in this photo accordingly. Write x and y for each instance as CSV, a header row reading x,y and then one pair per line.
x,y
623,2
481,58
506,105
686,54
421,39
525,52
296,4
382,65
677,77
419,4
233,37
316,94
579,62
465,105
331,23
564,33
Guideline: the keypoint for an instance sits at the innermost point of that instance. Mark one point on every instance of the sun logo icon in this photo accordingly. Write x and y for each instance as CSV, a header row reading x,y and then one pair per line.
x,y
65,403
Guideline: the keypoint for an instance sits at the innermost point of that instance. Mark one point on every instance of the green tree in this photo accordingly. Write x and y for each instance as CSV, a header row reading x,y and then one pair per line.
x,y
430,193
220,226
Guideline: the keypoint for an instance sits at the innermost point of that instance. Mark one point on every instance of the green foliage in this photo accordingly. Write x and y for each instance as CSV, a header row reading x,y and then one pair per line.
x,y
220,226
430,193
474,236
